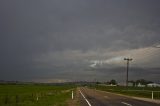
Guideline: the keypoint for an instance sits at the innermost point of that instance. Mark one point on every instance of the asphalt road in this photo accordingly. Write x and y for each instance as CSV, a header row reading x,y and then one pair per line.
x,y
90,97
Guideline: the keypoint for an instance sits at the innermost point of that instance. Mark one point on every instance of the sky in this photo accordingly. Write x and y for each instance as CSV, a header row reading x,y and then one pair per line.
x,y
79,40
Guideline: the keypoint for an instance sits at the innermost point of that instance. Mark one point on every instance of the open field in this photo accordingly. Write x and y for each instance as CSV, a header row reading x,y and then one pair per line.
x,y
131,91
35,95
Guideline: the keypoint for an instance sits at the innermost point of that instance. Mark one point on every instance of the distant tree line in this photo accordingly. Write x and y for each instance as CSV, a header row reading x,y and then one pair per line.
x,y
111,82
136,82
140,81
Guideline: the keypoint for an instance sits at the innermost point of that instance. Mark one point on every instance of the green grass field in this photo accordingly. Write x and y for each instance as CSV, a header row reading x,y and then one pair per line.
x,y
131,91
35,95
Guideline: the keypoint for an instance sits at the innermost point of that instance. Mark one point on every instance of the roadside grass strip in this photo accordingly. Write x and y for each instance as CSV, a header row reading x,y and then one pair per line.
x,y
146,92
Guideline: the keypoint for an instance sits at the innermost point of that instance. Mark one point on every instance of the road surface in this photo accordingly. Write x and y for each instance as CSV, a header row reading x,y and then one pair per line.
x,y
90,97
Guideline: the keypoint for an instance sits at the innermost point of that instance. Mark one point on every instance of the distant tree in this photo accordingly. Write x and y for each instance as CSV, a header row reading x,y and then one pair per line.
x,y
143,82
113,82
98,82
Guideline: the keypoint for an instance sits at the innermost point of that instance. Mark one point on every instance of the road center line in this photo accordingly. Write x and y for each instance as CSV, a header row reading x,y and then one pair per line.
x,y
126,103
85,98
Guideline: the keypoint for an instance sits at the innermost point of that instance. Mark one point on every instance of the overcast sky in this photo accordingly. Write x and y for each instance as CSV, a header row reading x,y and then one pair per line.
x,y
73,40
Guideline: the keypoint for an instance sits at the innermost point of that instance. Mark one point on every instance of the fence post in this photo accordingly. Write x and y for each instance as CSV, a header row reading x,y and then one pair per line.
x,y
6,99
72,94
152,94
17,99
37,97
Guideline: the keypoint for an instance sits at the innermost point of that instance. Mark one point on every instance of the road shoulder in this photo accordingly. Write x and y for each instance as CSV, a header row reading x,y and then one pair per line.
x,y
133,97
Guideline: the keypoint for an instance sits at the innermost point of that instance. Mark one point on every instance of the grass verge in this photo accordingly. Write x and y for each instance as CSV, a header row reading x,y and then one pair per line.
x,y
145,92
35,95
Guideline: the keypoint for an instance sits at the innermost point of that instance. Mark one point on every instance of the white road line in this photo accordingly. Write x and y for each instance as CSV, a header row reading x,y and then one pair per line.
x,y
85,98
126,103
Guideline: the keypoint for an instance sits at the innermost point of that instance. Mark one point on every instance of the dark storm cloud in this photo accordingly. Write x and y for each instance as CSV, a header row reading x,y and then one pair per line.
x,y
47,39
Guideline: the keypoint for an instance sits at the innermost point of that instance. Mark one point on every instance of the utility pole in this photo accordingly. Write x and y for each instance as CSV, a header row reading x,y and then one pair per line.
x,y
128,60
